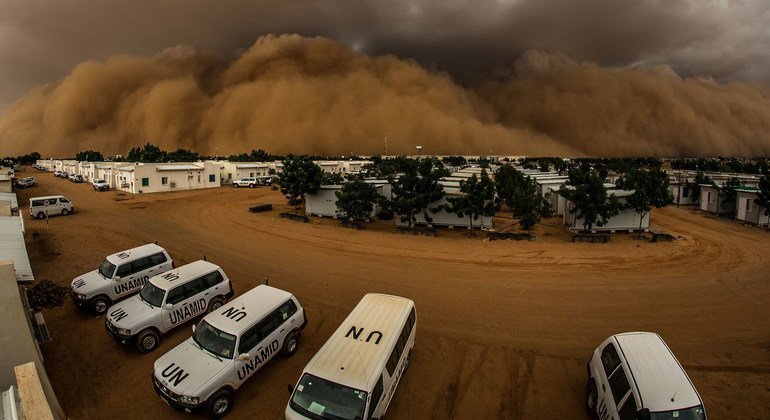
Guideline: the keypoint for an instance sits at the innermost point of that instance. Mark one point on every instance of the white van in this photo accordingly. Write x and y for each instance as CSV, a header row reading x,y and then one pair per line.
x,y
167,301
355,374
227,347
120,275
636,376
52,205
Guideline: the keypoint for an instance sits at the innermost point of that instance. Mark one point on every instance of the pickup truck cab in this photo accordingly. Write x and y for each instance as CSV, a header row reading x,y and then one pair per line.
x,y
227,348
167,301
120,275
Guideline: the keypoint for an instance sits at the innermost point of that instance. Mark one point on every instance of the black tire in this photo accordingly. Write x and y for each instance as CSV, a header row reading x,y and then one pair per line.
x,y
147,341
64,212
235,185
40,215
252,185
215,304
290,344
220,404
592,398
100,304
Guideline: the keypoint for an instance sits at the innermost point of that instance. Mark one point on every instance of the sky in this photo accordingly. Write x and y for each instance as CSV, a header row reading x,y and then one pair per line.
x,y
472,41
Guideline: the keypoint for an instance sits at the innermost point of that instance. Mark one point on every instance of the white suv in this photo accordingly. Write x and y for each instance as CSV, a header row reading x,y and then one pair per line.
x,y
167,301
245,182
120,275
100,185
227,347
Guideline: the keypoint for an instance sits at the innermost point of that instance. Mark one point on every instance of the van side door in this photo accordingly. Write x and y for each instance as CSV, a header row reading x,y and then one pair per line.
x,y
187,301
261,343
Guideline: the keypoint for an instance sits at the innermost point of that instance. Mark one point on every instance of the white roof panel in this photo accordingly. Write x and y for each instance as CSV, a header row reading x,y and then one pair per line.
x,y
256,303
12,247
10,197
183,167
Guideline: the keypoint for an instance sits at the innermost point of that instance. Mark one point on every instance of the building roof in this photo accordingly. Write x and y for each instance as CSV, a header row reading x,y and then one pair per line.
x,y
127,168
10,197
250,165
357,362
747,189
661,381
256,303
181,274
179,167
12,247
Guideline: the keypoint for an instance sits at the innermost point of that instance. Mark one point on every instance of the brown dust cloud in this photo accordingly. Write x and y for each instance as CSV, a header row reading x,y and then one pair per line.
x,y
291,94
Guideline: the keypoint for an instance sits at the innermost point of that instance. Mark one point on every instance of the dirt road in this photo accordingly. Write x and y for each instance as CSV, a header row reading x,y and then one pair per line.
x,y
504,328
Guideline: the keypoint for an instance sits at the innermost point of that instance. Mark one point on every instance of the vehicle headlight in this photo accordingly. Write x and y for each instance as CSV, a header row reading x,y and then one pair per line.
x,y
80,296
188,400
123,331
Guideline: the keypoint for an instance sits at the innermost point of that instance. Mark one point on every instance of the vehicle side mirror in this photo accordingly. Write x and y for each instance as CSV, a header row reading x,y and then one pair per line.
x,y
244,357
291,389
643,414
169,306
116,278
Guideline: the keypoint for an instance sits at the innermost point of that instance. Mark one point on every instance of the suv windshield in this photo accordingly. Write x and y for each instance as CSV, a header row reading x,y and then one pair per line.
x,y
692,413
214,340
321,399
152,294
107,269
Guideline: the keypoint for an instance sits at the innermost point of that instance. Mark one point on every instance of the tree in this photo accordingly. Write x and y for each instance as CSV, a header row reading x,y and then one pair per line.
x,y
586,191
148,153
415,189
182,155
356,200
527,205
506,180
455,161
332,178
763,196
26,159
476,201
651,189
89,156
300,177
700,178
726,194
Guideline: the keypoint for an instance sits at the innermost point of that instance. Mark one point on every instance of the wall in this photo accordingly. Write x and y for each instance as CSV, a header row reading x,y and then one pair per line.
x,y
180,179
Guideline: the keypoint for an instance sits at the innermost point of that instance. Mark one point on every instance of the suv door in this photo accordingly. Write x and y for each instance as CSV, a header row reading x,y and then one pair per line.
x,y
606,404
187,301
132,277
261,343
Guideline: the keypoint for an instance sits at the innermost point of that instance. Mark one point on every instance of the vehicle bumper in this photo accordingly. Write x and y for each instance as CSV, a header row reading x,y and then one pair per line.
x,y
83,303
176,405
304,324
123,339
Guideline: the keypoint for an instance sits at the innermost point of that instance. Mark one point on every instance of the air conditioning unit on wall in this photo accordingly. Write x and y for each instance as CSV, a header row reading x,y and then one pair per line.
x,y
172,184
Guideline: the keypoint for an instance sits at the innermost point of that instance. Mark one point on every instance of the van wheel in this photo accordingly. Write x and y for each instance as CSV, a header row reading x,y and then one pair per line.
x,y
147,341
215,304
290,345
64,212
592,398
99,305
220,404
40,215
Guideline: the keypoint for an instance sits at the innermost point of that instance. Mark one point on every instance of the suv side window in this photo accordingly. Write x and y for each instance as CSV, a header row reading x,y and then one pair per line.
x,y
212,279
619,385
376,395
287,310
176,295
269,324
158,259
194,287
610,359
249,339
140,264
124,270
628,411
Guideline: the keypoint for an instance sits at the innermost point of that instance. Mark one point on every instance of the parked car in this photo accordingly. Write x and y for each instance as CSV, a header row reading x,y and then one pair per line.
x,y
64,175
120,275
26,182
167,301
57,173
245,182
636,376
227,347
76,178
100,185
41,207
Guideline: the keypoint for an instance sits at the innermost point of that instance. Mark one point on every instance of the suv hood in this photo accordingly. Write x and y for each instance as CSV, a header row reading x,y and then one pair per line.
x,y
132,313
90,284
186,368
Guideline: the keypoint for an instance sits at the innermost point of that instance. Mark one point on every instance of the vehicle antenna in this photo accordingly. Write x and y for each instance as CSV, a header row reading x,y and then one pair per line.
x,y
267,281
672,397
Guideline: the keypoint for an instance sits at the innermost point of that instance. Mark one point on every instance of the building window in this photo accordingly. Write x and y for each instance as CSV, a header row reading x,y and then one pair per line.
x,y
199,178
145,182
164,180
686,192
212,178
748,205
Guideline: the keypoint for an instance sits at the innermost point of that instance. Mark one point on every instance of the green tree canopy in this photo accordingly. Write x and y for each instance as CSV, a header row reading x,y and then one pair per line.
x,y
89,156
590,201
476,201
182,155
149,153
356,200
763,196
651,189
300,177
415,189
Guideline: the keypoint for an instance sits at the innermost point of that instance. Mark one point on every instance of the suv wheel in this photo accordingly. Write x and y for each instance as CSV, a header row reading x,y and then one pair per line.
x,y
592,398
290,344
100,304
235,184
147,341
220,404
215,304
40,215
64,212
252,185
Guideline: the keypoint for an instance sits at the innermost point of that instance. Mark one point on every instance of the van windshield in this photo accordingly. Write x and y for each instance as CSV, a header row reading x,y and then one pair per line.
x,y
318,398
152,294
107,269
214,340
692,413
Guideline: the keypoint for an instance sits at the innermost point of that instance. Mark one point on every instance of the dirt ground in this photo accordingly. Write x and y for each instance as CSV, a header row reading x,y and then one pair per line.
x,y
504,328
